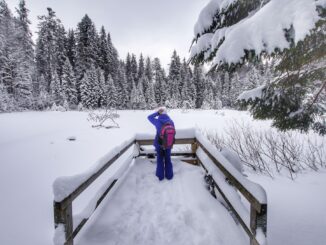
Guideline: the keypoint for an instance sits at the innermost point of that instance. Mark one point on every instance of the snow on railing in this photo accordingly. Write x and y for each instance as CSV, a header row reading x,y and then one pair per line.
x,y
67,189
64,186
223,175
255,190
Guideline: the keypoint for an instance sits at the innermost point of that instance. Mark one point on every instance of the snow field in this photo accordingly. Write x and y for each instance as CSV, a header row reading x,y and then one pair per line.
x,y
34,151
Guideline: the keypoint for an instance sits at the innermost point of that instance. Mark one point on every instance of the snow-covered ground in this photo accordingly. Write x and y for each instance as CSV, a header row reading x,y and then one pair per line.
x,y
34,151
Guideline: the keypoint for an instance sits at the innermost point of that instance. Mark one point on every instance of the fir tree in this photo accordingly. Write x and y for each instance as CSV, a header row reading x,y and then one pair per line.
x,y
56,90
175,67
129,75
141,67
111,94
133,68
149,69
141,101
88,89
150,96
24,57
198,81
294,100
113,59
137,99
175,95
286,99
5,100
7,48
188,93
69,84
48,48
86,50
223,18
159,82
104,53
71,48
122,88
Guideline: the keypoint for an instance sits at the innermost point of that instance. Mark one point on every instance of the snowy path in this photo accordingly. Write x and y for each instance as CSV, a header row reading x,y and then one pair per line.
x,y
145,211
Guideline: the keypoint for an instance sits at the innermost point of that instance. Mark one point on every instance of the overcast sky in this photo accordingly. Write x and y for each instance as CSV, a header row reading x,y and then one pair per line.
x,y
154,27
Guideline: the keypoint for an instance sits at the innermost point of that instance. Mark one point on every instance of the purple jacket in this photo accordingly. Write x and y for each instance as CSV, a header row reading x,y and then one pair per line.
x,y
158,123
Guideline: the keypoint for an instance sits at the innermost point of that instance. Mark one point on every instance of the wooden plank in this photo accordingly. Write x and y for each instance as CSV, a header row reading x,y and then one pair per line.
x,y
64,216
177,141
187,154
256,204
91,179
105,193
194,147
258,220
242,223
190,161
83,222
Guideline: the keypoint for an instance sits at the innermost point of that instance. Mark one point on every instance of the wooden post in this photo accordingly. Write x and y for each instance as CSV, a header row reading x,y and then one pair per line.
x,y
194,147
64,216
258,221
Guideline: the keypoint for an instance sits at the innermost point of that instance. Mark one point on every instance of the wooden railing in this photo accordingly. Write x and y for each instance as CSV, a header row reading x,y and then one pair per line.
x,y
63,213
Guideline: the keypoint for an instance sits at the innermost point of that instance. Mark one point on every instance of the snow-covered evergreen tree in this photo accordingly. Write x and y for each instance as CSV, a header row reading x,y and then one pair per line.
x,y
5,99
198,81
69,91
159,81
56,89
113,59
71,48
145,84
7,49
134,68
175,67
111,93
141,67
48,48
122,88
86,52
16,56
137,99
175,100
150,96
149,69
225,35
208,102
104,53
24,58
88,89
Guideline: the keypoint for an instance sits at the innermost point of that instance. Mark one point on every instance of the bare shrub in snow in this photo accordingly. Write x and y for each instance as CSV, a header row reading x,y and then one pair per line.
x,y
269,151
100,119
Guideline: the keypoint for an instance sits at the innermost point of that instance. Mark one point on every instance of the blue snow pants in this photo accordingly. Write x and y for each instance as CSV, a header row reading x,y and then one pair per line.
x,y
164,166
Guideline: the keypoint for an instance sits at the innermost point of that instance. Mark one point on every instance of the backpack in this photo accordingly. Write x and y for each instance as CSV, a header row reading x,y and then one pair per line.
x,y
166,137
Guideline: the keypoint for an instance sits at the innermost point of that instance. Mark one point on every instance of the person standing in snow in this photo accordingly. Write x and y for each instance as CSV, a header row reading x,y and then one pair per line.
x,y
163,142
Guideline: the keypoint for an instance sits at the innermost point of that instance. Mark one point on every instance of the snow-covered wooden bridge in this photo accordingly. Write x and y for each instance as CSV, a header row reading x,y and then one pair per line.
x,y
207,202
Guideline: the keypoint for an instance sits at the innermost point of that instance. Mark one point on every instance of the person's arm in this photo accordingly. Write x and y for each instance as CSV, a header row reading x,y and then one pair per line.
x,y
152,118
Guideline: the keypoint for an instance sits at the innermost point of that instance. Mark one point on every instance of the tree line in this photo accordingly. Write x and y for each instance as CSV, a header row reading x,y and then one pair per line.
x,y
80,68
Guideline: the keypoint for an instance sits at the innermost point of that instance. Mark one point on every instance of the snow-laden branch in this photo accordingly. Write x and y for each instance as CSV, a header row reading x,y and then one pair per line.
x,y
262,31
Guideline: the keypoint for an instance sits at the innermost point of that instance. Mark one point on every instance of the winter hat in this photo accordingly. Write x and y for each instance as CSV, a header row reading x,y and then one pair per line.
x,y
163,110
